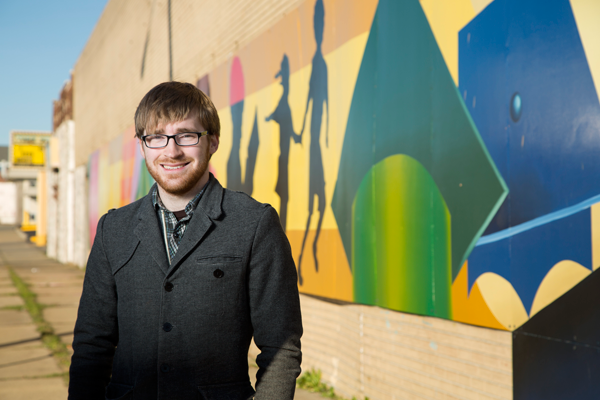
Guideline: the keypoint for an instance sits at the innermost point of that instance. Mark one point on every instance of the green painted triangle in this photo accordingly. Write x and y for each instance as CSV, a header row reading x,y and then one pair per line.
x,y
405,102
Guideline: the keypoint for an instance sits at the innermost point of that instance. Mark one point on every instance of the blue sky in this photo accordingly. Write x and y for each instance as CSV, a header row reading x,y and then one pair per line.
x,y
40,42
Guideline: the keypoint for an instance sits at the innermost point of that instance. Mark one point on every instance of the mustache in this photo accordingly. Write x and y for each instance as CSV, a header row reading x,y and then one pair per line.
x,y
172,160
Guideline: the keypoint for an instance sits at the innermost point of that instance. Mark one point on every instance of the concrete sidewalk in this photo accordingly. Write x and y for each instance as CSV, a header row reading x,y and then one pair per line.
x,y
27,369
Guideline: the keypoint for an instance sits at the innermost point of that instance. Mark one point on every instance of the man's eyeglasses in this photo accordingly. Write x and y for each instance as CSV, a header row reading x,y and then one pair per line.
x,y
182,139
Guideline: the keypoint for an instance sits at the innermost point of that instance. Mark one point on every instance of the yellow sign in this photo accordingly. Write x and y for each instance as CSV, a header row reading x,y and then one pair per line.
x,y
28,149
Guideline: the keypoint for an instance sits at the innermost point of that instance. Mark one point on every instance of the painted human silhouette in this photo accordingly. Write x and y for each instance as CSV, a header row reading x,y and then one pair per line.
x,y
283,116
319,95
234,166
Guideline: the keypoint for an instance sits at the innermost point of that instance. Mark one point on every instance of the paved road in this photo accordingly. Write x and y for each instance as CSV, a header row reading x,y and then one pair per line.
x,y
27,369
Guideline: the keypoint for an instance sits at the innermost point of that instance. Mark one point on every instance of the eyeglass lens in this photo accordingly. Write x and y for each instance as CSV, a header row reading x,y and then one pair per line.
x,y
182,139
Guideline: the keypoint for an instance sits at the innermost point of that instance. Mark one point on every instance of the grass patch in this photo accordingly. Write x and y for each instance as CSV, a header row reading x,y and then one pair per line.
x,y
57,375
311,381
48,337
21,307
13,308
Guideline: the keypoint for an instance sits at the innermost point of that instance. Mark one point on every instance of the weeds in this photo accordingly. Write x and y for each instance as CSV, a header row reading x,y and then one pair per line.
x,y
49,339
13,308
56,375
311,381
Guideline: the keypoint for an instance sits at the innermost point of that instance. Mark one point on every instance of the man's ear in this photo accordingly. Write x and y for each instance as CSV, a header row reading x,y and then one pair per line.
x,y
141,143
214,143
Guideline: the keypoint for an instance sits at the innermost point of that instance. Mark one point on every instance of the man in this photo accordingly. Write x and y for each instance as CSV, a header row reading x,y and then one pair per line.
x,y
178,282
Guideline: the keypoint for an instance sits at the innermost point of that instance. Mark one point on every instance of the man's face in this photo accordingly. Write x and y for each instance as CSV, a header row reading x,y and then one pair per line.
x,y
180,170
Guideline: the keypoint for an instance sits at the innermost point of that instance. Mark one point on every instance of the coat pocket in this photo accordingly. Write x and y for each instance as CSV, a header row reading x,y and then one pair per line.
x,y
227,391
118,391
220,282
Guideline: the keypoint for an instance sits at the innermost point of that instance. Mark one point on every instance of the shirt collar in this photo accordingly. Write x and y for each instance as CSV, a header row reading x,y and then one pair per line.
x,y
189,208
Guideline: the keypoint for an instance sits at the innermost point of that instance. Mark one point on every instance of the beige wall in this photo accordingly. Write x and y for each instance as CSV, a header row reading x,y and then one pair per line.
x,y
107,76
387,355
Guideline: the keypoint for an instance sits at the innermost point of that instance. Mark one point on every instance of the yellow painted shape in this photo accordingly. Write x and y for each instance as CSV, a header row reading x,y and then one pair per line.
x,y
103,181
595,211
446,19
471,308
334,278
116,170
587,17
299,153
343,65
562,277
479,5
218,161
502,299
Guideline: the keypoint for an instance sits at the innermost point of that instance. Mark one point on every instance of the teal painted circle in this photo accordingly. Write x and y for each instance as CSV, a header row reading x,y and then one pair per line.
x,y
516,107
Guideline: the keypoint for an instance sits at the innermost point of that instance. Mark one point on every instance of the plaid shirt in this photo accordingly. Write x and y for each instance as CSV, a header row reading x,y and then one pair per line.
x,y
174,228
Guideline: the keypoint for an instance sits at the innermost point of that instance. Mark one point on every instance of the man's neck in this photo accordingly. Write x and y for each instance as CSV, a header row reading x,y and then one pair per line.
x,y
174,202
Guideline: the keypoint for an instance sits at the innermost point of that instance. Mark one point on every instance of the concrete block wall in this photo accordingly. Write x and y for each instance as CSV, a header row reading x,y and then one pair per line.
x,y
382,354
364,351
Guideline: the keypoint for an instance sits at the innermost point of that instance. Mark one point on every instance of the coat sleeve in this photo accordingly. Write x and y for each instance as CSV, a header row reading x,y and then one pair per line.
x,y
275,310
96,331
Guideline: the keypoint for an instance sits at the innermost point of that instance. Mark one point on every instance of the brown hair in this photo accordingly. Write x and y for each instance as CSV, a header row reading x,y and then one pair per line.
x,y
172,102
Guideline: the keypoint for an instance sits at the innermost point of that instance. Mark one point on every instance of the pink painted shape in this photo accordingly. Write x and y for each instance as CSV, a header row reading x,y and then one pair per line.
x,y
127,173
236,88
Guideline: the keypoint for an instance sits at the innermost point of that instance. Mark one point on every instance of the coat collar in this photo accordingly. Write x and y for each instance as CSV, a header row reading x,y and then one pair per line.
x,y
209,209
149,231
212,198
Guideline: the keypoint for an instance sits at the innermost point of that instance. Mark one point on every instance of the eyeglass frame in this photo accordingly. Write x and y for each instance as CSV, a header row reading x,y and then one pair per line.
x,y
174,137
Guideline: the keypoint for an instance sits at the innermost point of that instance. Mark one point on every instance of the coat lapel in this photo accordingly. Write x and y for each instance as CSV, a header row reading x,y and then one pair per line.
x,y
149,232
208,209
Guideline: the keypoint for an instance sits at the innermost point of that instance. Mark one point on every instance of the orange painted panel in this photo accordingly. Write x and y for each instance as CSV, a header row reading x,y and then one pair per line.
x,y
471,309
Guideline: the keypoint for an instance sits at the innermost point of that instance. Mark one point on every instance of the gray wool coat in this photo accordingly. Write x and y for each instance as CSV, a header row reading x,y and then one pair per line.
x,y
149,330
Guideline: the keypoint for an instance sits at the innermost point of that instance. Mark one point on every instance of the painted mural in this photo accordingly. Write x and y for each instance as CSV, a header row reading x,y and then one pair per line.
x,y
426,157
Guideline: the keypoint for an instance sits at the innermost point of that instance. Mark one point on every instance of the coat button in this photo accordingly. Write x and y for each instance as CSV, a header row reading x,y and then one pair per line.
x,y
218,273
167,327
168,286
165,368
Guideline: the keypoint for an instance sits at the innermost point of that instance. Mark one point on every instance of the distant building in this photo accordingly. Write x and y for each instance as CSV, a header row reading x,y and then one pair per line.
x,y
3,162
66,241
